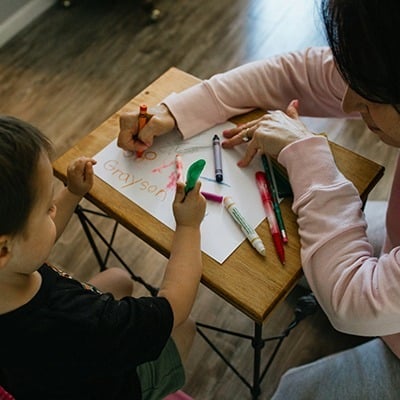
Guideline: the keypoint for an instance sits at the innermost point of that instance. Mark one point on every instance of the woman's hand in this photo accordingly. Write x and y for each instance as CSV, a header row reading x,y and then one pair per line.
x,y
161,121
268,134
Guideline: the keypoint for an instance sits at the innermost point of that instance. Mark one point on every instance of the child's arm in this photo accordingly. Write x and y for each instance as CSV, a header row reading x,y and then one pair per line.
x,y
79,181
183,272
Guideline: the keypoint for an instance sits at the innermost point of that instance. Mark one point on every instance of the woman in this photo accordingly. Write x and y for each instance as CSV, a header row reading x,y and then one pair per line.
x,y
358,75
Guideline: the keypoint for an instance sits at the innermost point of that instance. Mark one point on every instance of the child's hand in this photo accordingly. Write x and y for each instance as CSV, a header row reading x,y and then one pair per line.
x,y
80,175
189,210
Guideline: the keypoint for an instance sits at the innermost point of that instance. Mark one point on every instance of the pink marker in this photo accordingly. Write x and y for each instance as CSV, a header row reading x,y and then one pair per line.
x,y
266,199
213,197
179,168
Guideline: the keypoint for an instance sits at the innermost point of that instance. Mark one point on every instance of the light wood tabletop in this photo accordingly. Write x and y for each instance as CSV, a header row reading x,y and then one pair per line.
x,y
251,283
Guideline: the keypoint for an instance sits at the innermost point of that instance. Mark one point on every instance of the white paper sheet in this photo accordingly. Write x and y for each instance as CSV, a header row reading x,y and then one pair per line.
x,y
150,182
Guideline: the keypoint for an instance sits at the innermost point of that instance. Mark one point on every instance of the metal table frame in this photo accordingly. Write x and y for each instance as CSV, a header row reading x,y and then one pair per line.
x,y
257,341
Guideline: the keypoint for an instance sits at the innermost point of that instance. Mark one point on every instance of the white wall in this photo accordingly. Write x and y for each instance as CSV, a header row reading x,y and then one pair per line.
x,y
17,14
9,7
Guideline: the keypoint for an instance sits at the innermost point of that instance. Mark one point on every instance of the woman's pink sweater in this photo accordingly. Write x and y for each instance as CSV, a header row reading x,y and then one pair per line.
x,y
359,293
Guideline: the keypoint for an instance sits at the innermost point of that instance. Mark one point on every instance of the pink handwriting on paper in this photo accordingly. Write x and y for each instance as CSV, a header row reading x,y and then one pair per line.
x,y
127,179
172,180
161,167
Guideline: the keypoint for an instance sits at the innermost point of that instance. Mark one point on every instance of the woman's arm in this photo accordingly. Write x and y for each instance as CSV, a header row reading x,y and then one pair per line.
x,y
359,293
309,76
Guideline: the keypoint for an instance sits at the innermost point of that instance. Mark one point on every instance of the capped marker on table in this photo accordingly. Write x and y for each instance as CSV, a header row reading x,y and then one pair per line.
x,y
248,231
213,197
217,158
266,199
275,201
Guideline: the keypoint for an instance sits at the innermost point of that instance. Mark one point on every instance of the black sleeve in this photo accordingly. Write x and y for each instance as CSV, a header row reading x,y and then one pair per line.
x,y
140,327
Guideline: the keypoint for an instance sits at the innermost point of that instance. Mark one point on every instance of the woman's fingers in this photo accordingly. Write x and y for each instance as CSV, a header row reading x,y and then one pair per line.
x,y
243,136
251,151
240,134
292,109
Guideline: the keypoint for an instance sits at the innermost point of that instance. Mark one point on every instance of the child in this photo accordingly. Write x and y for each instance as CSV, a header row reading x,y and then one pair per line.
x,y
62,339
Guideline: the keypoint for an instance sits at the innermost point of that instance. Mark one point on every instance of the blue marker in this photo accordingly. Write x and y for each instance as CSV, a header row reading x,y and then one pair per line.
x,y
217,158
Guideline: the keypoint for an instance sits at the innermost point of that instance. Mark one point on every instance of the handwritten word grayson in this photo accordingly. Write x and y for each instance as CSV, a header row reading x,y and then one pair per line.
x,y
128,180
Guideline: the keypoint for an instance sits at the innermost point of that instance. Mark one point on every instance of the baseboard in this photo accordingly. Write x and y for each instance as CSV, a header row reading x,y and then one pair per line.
x,y
23,17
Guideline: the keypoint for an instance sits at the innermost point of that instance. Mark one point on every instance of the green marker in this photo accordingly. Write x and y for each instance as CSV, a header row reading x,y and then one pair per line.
x,y
193,174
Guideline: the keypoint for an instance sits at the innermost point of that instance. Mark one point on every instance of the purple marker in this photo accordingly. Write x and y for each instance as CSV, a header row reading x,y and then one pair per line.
x,y
213,197
217,158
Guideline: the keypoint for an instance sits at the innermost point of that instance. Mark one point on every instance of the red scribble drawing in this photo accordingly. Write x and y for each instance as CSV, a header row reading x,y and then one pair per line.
x,y
161,167
171,184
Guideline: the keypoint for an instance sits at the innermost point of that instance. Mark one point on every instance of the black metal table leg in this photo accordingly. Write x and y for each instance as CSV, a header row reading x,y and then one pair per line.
x,y
258,344
306,305
88,225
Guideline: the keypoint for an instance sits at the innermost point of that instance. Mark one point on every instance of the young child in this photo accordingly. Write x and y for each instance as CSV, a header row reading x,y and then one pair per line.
x,y
63,339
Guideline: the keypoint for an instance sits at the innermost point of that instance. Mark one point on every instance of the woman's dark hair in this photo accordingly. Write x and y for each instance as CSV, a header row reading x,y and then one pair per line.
x,y
363,36
20,147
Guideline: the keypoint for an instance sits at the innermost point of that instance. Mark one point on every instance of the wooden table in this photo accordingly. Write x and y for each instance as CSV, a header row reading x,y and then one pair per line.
x,y
250,283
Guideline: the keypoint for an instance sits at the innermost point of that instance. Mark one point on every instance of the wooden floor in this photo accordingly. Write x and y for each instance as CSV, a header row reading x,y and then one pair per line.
x,y
71,69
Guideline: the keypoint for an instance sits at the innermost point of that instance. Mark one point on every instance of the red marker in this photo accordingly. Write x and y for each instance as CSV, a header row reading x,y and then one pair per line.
x,y
272,222
142,121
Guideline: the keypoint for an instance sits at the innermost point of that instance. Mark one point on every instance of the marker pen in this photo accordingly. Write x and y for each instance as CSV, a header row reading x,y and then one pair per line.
x,y
270,179
179,168
213,197
249,232
217,158
142,121
271,218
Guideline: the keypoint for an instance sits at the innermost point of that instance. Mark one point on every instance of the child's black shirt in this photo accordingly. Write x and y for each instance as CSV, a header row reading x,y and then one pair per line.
x,y
73,342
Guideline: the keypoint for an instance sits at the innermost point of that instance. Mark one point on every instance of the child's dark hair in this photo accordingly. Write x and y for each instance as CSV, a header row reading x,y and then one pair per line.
x,y
364,41
21,145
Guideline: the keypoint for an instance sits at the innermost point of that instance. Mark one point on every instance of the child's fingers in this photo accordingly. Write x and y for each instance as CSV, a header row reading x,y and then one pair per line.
x,y
88,172
89,164
195,191
180,192
197,187
80,164
85,160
